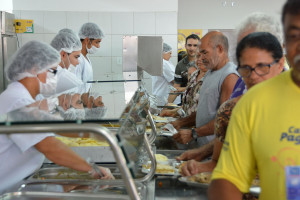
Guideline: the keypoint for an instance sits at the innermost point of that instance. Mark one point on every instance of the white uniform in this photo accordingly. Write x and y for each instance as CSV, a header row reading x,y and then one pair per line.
x,y
84,71
66,81
18,157
160,84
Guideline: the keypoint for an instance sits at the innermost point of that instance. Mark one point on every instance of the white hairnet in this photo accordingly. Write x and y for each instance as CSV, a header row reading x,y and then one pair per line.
x,y
91,31
31,59
67,42
166,48
67,30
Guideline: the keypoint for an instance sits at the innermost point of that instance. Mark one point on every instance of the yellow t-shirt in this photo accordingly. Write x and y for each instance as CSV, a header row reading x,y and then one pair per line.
x,y
263,135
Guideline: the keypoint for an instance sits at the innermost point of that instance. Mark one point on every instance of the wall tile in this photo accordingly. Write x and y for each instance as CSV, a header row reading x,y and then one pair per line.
x,y
173,60
117,65
37,17
117,45
172,41
28,37
166,23
17,14
49,37
54,21
76,19
105,47
144,23
119,102
148,85
122,23
103,20
101,65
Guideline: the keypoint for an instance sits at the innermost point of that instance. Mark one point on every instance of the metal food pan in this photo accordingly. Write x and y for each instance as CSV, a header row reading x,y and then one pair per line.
x,y
62,173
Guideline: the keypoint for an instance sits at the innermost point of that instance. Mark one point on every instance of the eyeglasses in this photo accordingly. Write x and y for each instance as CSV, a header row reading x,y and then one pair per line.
x,y
52,71
260,69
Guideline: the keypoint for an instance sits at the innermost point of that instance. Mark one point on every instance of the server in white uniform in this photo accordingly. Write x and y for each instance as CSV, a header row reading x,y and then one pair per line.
x,y
160,84
68,44
22,154
90,35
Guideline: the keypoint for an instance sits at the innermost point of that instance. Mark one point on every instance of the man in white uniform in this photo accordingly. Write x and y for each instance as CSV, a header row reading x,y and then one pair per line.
x,y
69,47
160,84
91,36
22,154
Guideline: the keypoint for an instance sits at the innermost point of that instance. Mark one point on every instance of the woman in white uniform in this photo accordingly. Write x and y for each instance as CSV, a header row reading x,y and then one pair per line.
x,y
160,84
91,36
22,154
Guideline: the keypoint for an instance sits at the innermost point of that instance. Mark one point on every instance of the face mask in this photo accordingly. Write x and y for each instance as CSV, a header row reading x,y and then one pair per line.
x,y
72,113
49,88
92,50
72,68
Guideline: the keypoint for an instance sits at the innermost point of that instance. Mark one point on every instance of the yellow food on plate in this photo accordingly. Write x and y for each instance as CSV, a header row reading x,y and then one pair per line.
x,y
164,169
82,142
160,157
159,118
203,177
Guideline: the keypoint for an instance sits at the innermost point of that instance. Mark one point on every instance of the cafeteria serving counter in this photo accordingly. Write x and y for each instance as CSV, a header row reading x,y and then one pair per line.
x,y
124,131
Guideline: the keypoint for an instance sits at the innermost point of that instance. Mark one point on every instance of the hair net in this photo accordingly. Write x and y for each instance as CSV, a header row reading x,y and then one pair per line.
x,y
67,42
91,31
31,59
67,30
166,48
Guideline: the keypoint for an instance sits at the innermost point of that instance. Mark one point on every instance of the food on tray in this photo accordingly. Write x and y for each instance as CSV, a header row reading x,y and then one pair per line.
x,y
201,178
80,142
160,157
180,166
158,118
161,168
164,169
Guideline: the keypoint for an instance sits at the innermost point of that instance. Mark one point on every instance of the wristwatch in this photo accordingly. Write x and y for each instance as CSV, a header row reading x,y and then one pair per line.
x,y
194,134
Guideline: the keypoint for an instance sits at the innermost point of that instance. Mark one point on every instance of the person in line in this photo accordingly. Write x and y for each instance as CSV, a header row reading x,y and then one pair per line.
x,y
160,84
90,36
256,22
262,133
216,89
259,48
181,70
191,95
24,153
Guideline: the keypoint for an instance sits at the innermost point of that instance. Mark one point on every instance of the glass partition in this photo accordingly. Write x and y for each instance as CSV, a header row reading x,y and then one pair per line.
x,y
105,103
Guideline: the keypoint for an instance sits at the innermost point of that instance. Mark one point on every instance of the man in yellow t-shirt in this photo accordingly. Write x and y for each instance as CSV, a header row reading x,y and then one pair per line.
x,y
264,129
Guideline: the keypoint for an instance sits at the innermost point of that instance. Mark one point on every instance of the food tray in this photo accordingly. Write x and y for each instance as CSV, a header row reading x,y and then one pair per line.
x,y
192,183
171,162
166,133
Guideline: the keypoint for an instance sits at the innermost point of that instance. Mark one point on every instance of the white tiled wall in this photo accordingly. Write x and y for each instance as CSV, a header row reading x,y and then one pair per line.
x,y
107,63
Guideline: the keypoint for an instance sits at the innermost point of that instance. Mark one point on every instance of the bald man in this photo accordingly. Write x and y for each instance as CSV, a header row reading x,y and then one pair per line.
x,y
217,87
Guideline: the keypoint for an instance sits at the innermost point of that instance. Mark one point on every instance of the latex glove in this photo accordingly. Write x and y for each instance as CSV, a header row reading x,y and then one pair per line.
x,y
106,173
